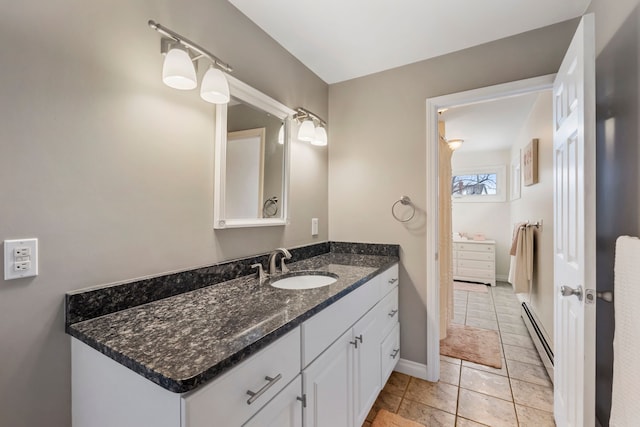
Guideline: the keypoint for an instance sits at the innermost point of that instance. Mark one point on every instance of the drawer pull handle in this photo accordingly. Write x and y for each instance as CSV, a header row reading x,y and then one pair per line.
x,y
392,281
395,353
392,313
359,338
256,394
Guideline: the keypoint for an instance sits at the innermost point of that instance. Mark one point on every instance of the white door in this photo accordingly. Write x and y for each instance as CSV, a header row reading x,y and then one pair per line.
x,y
366,367
327,385
285,410
574,235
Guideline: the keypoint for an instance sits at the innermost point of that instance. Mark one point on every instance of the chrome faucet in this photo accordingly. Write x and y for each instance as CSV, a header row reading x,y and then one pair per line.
x,y
272,260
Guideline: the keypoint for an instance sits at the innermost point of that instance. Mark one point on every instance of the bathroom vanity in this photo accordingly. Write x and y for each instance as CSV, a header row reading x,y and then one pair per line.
x,y
244,353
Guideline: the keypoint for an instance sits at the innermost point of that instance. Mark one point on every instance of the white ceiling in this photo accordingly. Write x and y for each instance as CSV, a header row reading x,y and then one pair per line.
x,y
344,39
488,126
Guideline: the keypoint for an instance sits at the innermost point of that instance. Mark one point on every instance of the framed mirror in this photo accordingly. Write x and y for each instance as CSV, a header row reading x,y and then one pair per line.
x,y
252,143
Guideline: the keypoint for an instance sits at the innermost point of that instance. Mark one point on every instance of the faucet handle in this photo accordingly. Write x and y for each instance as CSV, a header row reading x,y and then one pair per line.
x,y
261,274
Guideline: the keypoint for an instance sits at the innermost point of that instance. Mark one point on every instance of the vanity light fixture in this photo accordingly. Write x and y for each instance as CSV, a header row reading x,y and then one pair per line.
x,y
281,135
320,136
179,68
309,131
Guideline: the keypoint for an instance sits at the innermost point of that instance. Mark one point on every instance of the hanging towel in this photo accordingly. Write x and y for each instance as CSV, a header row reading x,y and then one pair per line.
x,y
521,269
514,239
625,410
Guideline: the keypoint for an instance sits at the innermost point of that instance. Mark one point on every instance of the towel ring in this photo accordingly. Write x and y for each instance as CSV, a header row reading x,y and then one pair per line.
x,y
270,207
406,201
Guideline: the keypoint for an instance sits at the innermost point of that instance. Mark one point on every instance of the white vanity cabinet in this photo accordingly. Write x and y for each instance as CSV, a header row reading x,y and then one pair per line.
x,y
327,372
106,394
341,385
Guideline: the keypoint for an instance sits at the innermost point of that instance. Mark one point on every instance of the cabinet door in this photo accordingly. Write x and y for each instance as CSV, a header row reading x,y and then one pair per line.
x,y
327,384
366,366
390,353
285,410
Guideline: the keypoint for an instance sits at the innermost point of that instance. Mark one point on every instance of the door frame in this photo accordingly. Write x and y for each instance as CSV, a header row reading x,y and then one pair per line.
x,y
519,87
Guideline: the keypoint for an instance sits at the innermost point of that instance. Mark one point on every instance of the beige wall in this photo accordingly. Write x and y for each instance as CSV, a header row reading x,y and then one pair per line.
x,y
113,171
377,150
536,203
485,217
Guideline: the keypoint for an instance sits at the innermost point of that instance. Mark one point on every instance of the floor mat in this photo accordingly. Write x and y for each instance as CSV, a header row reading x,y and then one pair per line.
x,y
472,344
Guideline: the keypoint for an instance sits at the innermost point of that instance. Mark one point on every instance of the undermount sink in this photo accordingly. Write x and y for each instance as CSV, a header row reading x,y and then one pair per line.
x,y
304,280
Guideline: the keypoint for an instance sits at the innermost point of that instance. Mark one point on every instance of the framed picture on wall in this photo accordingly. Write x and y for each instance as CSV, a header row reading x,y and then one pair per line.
x,y
516,174
530,162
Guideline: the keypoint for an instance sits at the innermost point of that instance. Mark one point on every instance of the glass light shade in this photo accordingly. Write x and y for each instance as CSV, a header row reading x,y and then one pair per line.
x,y
178,71
281,135
320,136
454,144
214,88
307,131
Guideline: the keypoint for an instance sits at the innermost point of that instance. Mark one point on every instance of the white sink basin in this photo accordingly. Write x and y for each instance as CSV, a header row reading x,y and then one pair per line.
x,y
304,281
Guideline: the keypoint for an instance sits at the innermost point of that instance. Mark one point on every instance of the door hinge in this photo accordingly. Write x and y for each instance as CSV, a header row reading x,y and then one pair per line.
x,y
303,399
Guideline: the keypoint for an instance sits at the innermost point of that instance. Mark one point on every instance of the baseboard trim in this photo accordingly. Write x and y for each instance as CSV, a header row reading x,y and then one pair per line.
x,y
418,370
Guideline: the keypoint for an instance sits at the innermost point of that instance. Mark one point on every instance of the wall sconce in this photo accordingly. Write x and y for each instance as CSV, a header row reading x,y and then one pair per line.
x,y
454,144
309,131
180,64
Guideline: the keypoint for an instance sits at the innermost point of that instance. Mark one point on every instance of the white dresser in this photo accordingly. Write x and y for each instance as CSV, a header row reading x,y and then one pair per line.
x,y
475,261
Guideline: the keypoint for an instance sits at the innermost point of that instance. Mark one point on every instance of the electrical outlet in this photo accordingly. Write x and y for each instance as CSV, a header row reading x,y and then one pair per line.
x,y
22,251
22,266
20,258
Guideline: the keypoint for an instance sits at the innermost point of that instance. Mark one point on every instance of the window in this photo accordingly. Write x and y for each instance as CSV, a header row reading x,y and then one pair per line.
x,y
482,184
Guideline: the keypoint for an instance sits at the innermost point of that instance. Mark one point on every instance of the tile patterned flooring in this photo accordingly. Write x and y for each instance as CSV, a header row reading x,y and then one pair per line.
x,y
471,395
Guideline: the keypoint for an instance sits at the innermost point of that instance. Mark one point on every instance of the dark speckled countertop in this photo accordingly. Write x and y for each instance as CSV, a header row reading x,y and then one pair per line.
x,y
183,341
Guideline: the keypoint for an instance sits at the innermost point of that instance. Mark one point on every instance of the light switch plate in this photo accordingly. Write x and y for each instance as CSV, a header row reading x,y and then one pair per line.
x,y
314,226
20,258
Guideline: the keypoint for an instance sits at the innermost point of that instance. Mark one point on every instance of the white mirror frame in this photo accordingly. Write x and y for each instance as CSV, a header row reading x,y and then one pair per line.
x,y
254,97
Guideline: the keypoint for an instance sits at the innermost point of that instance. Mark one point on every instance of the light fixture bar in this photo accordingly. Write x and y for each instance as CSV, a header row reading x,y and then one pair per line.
x,y
190,45
302,114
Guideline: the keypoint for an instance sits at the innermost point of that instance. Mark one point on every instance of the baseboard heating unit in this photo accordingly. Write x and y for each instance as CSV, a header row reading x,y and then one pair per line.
x,y
540,339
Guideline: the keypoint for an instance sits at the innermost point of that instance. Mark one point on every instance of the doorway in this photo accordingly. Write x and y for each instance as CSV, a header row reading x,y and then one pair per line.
x,y
434,105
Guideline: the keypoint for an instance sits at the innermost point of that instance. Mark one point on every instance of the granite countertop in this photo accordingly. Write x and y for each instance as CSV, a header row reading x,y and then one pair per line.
x,y
184,341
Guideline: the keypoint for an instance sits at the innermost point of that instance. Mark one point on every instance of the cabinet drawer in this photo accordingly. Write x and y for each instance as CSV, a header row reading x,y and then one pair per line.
x,y
481,265
475,247
388,312
224,401
285,410
479,256
325,327
389,353
471,272
387,280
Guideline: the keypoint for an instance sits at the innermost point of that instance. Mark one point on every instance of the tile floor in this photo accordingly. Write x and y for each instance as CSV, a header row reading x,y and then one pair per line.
x,y
468,394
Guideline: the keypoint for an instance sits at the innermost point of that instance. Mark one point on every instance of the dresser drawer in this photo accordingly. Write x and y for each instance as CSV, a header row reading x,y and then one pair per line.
x,y
482,265
479,256
475,247
388,312
389,353
475,273
325,327
224,401
387,280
